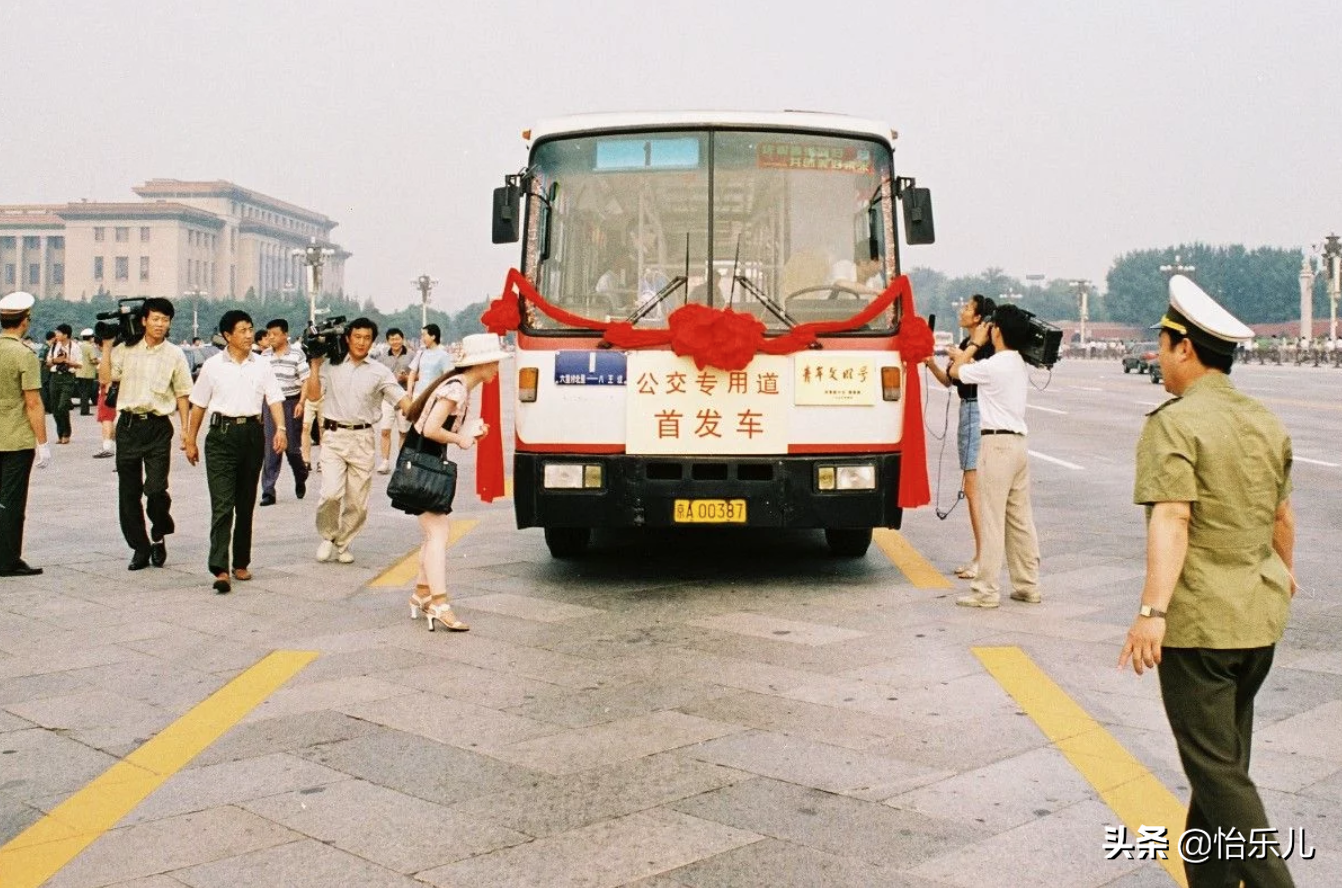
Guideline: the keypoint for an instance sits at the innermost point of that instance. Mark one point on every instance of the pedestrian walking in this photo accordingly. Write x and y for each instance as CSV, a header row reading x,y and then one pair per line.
x,y
1214,473
64,359
438,418
290,367
23,430
86,377
353,392
397,359
235,387
153,381
1006,519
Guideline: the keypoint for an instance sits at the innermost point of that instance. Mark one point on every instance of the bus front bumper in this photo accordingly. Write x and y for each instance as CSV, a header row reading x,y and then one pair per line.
x,y
643,491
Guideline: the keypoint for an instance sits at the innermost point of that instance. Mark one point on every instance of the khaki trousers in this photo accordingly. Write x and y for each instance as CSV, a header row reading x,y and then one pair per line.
x,y
1005,518
347,476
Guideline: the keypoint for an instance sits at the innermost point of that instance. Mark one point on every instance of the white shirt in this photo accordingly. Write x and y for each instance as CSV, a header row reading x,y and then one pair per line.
x,y
1003,380
230,388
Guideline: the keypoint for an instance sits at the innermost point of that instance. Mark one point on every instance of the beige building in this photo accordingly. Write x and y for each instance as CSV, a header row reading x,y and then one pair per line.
x,y
213,237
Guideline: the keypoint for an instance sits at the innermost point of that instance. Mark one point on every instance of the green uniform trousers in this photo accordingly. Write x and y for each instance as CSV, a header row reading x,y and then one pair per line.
x,y
1209,697
234,454
62,390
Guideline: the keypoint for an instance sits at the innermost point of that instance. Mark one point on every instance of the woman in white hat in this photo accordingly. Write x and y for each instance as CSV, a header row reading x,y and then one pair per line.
x,y
438,418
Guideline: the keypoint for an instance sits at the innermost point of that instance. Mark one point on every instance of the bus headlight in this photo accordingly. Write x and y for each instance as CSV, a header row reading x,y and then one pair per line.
x,y
572,476
845,477
857,478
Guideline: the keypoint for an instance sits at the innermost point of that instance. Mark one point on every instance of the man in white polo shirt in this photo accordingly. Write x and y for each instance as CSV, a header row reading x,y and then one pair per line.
x,y
234,386
1005,516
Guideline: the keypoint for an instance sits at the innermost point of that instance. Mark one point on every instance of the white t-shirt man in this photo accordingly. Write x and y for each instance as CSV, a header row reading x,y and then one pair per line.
x,y
1003,380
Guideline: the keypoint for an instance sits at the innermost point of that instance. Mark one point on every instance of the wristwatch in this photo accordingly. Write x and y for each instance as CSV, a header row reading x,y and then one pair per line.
x,y
1147,610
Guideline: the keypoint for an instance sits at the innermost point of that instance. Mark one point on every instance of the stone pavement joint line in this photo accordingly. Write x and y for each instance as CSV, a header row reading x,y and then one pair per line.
x,y
1123,783
405,570
39,852
909,560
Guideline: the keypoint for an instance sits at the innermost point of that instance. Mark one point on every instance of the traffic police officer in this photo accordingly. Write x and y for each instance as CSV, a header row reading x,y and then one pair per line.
x,y
1213,470
23,430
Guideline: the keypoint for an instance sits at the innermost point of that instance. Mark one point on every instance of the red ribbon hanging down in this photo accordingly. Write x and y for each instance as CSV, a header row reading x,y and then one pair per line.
x,y
728,340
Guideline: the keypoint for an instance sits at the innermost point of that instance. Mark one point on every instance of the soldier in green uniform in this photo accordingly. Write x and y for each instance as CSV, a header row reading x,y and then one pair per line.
x,y
1213,470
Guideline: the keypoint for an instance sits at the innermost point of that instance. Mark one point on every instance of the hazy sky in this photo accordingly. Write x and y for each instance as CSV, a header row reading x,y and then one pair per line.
x,y
1054,135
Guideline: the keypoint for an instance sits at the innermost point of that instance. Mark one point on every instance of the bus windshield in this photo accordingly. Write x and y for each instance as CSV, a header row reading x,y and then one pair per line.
x,y
790,227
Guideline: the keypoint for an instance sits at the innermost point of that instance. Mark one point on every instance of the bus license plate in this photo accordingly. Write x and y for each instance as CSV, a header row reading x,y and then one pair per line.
x,y
710,511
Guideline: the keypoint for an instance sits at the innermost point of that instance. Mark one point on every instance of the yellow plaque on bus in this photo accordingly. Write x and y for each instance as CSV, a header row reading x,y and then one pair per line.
x,y
710,511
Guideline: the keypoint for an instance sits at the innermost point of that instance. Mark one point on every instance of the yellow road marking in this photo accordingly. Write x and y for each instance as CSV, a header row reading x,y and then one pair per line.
x,y
405,570
1124,783
908,559
37,853
508,487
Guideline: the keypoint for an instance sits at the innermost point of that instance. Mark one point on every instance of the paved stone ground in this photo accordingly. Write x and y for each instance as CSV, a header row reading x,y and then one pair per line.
x,y
679,710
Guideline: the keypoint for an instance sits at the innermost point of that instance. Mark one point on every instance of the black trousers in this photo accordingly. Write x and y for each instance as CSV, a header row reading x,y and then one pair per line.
x,y
1209,696
88,394
16,466
143,455
233,456
62,390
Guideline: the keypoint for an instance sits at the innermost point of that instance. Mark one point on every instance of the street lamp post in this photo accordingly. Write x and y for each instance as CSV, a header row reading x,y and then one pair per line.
x,y
425,284
1178,267
313,255
1332,254
1306,296
194,295
1082,288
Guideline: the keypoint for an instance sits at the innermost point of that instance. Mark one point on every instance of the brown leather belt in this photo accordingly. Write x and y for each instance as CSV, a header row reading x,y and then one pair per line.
x,y
331,425
999,432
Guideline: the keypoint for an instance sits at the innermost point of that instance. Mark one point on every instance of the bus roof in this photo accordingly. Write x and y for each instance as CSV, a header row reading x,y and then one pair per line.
x,y
773,120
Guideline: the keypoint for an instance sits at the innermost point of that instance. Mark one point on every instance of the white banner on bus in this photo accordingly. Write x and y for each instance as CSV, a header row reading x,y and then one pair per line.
x,y
676,408
822,378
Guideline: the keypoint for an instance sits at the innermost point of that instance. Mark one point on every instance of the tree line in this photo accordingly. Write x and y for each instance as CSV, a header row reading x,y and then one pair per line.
x,y
1258,286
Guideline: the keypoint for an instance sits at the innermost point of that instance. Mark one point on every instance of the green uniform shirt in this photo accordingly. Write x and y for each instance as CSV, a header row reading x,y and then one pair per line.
x,y
1228,457
20,372
88,356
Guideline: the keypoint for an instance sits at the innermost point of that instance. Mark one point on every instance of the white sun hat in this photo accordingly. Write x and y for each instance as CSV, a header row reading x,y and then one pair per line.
x,y
481,348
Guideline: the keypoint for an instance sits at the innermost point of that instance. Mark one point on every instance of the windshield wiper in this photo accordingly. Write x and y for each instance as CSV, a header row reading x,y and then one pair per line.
x,y
773,307
646,307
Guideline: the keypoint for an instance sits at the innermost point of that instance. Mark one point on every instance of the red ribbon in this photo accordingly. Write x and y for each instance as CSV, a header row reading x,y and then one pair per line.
x,y
728,340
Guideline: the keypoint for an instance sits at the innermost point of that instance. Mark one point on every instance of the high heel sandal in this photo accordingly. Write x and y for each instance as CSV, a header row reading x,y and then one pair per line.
x,y
968,571
419,601
440,611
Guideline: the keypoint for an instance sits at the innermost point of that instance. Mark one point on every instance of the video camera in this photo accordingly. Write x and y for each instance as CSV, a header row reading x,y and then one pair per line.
x,y
326,340
1041,340
124,324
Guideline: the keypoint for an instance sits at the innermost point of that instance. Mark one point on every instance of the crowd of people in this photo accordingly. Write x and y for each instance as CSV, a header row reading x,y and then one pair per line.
x,y
258,399
1213,472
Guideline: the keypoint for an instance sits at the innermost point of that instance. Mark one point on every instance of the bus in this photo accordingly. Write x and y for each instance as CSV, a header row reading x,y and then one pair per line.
x,y
712,325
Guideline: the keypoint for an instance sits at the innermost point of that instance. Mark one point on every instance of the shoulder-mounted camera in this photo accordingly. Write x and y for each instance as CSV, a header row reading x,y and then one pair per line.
x,y
326,340
124,324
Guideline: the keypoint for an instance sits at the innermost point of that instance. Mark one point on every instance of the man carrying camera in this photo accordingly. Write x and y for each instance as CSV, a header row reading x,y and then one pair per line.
x,y
23,430
1005,517
354,390
153,381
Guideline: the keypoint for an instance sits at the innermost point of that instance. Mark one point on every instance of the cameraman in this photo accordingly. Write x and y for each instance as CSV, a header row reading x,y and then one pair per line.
x,y
353,391
1005,518
154,381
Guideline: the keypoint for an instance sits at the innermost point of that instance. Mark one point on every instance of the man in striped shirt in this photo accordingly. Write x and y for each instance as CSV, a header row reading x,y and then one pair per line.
x,y
290,367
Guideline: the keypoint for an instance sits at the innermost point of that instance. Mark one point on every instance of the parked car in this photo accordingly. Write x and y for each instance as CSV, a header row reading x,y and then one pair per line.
x,y
1157,376
1141,357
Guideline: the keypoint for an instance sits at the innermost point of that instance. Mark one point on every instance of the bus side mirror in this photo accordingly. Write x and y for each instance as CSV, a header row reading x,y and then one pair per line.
x,y
507,214
918,215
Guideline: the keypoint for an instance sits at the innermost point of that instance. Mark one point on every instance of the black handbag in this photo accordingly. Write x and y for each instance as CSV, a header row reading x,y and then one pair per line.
x,y
422,482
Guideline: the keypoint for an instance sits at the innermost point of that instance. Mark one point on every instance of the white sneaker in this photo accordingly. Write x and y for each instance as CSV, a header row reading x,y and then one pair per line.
x,y
325,550
345,556
384,468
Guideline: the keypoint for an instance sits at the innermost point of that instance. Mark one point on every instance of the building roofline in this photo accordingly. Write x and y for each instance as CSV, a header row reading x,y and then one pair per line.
x,y
158,209
154,188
